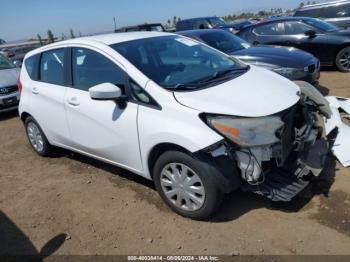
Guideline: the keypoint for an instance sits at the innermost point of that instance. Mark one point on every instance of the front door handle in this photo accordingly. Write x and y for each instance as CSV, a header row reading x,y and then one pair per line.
x,y
35,91
73,101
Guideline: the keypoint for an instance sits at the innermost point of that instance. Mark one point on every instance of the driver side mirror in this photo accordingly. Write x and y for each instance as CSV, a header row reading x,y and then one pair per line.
x,y
105,91
310,33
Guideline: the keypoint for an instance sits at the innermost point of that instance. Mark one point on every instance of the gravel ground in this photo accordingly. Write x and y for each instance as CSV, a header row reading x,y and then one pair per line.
x,y
69,204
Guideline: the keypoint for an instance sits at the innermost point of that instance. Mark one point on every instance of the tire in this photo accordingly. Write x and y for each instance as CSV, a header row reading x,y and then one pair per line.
x,y
196,199
342,60
37,138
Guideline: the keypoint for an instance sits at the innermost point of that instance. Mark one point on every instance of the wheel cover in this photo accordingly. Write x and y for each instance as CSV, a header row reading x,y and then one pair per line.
x,y
35,136
182,186
344,59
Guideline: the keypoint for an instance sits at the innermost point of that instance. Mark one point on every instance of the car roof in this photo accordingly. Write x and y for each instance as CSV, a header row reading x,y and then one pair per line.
x,y
140,25
278,19
313,6
196,18
115,38
106,39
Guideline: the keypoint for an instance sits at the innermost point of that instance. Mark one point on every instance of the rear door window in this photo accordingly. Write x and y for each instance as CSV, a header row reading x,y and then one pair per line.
x,y
52,67
316,12
296,28
337,11
270,29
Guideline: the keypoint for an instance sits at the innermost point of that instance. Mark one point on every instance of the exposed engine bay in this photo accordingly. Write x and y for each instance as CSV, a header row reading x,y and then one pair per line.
x,y
295,136
294,144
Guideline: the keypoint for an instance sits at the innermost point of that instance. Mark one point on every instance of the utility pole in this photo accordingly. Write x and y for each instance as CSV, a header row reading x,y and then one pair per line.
x,y
115,24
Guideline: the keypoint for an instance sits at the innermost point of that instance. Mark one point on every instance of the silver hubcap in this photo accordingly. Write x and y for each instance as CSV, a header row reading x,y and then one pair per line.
x,y
35,137
344,59
182,186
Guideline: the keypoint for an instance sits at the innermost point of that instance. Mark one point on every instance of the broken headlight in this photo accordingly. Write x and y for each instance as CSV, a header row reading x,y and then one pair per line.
x,y
247,132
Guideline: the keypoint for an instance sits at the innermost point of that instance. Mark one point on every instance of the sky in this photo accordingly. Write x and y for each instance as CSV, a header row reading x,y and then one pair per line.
x,y
22,19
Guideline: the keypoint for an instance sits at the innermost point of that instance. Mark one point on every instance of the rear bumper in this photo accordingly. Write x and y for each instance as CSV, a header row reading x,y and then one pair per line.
x,y
9,102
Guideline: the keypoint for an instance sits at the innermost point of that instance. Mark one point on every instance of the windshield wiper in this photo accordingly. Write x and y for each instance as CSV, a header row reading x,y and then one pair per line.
x,y
211,79
185,86
221,74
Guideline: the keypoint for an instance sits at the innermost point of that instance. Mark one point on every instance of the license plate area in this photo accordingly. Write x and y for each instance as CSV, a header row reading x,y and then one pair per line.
x,y
10,101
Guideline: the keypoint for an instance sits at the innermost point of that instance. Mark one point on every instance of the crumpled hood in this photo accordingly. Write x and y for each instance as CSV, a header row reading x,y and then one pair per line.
x,y
256,93
9,77
276,55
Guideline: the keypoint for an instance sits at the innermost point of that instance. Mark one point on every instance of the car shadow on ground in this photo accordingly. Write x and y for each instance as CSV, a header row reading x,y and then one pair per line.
x,y
8,115
324,90
111,169
237,203
16,246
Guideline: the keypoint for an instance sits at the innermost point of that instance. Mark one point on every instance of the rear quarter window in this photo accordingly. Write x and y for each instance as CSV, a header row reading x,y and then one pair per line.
x,y
31,65
317,12
337,11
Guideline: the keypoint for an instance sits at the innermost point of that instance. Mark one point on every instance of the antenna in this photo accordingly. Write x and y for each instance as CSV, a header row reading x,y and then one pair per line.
x,y
115,24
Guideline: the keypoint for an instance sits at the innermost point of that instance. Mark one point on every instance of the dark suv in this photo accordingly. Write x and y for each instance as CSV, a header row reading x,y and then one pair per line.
x,y
336,12
203,23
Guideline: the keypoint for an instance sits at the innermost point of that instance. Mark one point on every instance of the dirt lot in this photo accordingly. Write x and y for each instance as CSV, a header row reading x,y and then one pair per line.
x,y
87,207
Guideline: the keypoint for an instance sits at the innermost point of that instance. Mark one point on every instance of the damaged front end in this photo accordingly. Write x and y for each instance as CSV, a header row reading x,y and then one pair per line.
x,y
277,154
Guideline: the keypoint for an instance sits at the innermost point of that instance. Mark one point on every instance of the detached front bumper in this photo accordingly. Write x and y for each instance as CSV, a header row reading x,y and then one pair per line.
x,y
341,146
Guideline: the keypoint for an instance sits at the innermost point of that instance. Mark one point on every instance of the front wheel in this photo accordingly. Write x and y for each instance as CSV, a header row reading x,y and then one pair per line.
x,y
343,60
37,137
186,186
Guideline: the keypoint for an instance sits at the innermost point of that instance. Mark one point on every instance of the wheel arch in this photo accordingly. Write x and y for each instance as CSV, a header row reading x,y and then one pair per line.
x,y
222,168
160,149
24,116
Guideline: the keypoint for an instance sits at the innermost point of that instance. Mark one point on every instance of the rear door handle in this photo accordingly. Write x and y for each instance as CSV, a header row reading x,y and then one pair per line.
x,y
35,91
73,101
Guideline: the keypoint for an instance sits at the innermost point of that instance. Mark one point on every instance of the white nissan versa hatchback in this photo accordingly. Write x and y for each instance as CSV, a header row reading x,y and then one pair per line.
x,y
197,122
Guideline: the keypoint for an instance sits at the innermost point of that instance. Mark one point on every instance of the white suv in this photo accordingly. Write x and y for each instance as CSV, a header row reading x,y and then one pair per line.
x,y
194,120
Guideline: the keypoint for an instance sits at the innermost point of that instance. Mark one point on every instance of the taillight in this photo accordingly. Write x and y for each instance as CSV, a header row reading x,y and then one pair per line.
x,y
19,84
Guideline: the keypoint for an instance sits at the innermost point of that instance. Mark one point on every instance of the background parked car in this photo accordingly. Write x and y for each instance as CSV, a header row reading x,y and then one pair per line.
x,y
20,52
241,23
9,73
203,23
144,27
289,62
7,53
2,41
336,12
324,40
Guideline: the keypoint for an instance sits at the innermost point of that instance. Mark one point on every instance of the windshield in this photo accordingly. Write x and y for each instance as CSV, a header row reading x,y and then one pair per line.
x,y
324,26
176,62
216,21
224,41
5,63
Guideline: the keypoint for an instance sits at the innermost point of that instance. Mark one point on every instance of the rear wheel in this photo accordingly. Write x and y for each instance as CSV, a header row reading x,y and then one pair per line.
x,y
343,60
185,185
37,137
